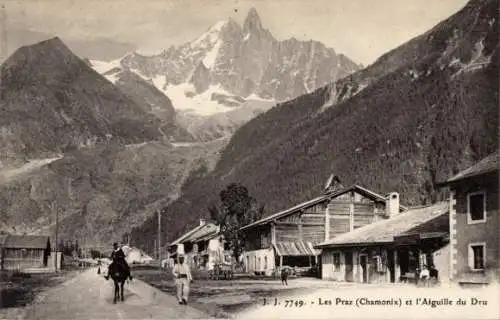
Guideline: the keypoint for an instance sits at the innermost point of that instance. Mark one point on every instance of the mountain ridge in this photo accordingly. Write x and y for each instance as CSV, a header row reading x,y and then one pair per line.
x,y
47,89
241,59
73,142
420,113
232,67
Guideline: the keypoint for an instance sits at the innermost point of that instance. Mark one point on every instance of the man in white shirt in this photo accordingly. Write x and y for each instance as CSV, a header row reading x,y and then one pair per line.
x,y
182,276
424,275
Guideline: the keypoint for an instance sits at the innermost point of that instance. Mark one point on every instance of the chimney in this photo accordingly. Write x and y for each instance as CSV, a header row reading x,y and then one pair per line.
x,y
202,222
392,204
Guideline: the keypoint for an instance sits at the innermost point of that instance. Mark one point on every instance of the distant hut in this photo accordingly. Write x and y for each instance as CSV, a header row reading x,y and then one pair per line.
x,y
22,252
135,255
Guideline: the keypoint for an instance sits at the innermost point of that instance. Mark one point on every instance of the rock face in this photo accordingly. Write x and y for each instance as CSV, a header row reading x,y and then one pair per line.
x,y
210,80
244,61
419,114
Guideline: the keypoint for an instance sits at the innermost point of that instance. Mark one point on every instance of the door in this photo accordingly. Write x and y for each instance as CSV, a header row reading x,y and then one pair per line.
x,y
364,267
348,266
391,265
319,264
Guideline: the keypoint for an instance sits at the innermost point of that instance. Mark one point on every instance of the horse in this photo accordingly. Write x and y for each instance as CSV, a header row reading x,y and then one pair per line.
x,y
119,274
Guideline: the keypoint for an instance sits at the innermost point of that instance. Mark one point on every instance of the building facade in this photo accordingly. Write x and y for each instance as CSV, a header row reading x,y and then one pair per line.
x,y
475,222
287,238
135,255
391,250
25,252
202,247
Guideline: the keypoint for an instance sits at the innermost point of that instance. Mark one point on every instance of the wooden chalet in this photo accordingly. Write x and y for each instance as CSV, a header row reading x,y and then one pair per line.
x,y
24,252
391,250
201,247
287,238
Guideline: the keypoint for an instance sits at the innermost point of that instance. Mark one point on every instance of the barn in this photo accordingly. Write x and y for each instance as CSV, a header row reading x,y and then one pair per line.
x,y
287,238
22,252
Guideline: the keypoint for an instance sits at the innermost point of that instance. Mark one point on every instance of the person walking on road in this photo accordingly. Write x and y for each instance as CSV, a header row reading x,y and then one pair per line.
x,y
284,276
183,277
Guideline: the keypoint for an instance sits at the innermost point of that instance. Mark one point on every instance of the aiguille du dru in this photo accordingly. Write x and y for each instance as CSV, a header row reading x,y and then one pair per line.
x,y
433,302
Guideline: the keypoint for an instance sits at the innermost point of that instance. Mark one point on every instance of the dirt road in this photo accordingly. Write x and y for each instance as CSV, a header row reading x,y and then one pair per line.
x,y
90,296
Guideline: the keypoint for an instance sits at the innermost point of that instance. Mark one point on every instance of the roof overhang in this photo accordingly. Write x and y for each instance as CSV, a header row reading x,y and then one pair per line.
x,y
477,175
352,245
285,213
415,238
367,193
295,248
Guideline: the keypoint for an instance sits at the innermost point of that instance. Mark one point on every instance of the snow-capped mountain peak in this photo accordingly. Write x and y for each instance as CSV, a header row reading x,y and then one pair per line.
x,y
211,36
240,61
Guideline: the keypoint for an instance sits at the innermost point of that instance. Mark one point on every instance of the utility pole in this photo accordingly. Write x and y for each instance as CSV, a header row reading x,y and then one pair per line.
x,y
156,250
54,206
57,229
159,236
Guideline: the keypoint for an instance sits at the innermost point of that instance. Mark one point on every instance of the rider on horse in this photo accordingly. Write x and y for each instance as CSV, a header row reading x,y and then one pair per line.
x,y
118,257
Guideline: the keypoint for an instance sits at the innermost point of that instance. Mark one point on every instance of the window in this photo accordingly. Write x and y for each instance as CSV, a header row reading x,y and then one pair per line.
x,y
476,207
336,260
265,263
259,264
477,256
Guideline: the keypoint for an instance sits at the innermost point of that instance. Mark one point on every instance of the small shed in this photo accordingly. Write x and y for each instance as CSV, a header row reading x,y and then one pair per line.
x,y
21,252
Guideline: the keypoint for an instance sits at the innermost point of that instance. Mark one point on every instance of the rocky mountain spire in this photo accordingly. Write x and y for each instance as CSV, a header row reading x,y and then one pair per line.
x,y
252,22
243,61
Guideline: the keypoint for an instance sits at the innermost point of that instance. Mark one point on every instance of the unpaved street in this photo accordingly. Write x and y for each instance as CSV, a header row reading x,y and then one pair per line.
x,y
90,296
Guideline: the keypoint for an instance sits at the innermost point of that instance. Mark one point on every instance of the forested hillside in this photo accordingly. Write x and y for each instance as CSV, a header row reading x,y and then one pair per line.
x,y
417,115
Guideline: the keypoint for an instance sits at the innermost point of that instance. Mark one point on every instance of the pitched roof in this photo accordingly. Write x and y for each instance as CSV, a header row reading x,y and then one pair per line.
x,y
284,213
197,233
26,242
384,231
206,231
489,164
295,248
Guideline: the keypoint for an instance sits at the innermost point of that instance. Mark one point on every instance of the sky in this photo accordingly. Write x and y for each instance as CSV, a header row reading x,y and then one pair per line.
x,y
361,29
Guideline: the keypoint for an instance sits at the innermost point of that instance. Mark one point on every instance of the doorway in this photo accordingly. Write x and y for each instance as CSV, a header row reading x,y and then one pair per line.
x,y
391,265
348,267
363,261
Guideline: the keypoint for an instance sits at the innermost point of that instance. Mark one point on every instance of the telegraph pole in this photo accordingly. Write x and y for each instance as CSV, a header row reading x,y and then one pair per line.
x,y
57,229
159,236
54,206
